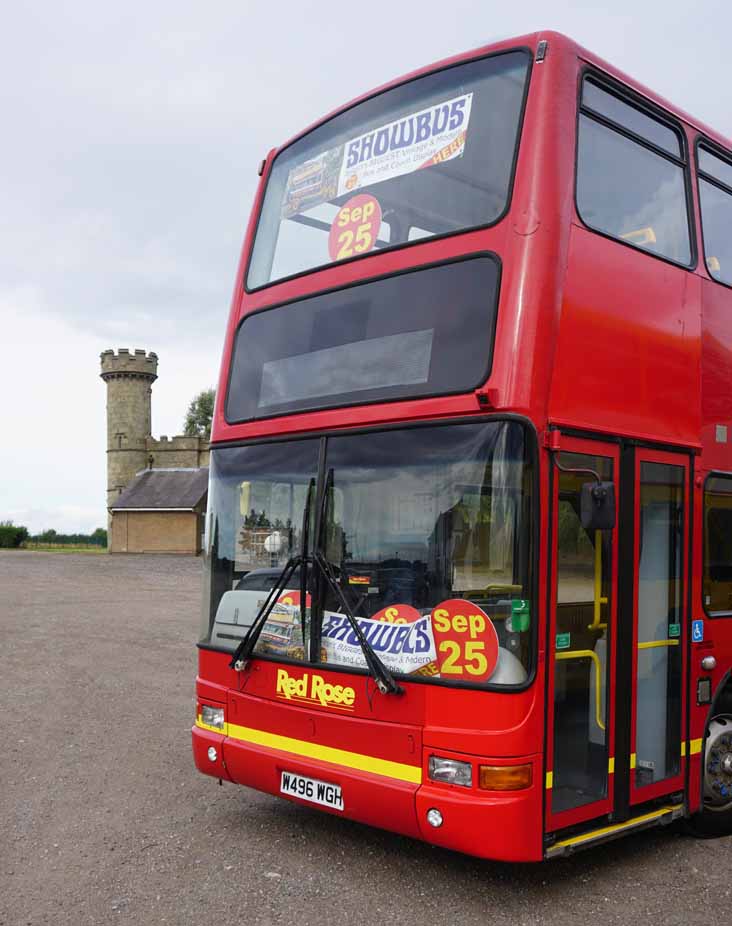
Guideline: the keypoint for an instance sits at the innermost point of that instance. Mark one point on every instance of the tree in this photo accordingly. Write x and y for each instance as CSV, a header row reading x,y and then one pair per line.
x,y
12,535
199,415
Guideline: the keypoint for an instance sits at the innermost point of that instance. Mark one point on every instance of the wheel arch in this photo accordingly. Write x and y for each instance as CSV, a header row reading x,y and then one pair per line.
x,y
723,692
722,695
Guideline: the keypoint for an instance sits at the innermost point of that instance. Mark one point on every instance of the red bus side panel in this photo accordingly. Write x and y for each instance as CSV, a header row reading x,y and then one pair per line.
x,y
628,357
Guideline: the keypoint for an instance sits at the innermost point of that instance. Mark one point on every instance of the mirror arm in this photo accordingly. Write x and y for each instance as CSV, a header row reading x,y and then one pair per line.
x,y
579,472
601,498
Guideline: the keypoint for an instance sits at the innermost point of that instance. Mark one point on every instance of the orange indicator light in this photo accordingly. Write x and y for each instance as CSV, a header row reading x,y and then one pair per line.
x,y
504,777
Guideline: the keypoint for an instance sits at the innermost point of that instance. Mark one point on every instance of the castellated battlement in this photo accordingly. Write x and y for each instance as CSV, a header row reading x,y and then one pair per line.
x,y
129,364
178,451
180,442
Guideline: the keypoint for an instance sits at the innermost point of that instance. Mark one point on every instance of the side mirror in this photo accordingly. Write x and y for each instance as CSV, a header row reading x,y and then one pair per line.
x,y
597,506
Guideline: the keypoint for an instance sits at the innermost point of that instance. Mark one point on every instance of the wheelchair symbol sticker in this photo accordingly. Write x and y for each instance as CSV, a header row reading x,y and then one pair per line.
x,y
697,631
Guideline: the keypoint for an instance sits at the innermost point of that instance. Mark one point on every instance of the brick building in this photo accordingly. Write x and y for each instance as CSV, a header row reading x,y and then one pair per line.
x,y
156,488
160,511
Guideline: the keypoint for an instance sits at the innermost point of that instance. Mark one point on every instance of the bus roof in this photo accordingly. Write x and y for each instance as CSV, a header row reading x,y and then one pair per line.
x,y
557,42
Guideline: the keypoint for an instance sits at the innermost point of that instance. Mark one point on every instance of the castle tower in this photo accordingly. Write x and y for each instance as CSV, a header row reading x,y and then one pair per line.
x,y
129,378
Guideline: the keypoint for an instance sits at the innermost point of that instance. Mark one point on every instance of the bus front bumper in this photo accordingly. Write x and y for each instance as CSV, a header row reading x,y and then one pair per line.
x,y
505,826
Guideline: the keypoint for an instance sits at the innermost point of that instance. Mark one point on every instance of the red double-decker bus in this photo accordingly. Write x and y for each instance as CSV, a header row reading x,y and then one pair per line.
x,y
469,530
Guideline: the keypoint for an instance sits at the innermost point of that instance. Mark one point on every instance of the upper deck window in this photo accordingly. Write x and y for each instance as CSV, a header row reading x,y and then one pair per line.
x,y
714,167
630,118
715,197
429,157
631,181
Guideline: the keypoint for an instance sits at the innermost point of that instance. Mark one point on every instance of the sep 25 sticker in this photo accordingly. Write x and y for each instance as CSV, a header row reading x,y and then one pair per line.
x,y
465,639
355,228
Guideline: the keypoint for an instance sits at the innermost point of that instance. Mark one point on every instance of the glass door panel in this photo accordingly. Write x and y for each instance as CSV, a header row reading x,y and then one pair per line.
x,y
580,645
659,632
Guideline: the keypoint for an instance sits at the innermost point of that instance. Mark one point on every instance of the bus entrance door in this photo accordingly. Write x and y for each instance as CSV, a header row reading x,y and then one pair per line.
x,y
655,765
581,648
617,636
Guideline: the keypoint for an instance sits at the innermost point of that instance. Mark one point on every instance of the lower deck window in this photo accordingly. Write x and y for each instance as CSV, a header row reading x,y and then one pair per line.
x,y
718,545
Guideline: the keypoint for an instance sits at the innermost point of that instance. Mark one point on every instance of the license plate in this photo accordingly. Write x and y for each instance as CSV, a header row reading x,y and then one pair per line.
x,y
310,789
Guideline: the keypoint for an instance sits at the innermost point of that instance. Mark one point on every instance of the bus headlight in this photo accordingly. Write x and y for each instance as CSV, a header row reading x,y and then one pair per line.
x,y
212,716
451,771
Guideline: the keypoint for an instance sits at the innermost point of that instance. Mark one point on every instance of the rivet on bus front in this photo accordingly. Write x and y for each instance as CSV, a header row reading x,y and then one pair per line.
x,y
434,817
212,754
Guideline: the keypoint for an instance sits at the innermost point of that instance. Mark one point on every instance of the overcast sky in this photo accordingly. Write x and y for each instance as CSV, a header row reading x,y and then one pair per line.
x,y
131,134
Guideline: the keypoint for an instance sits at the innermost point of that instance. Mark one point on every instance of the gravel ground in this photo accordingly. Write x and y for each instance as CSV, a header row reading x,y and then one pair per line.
x,y
103,818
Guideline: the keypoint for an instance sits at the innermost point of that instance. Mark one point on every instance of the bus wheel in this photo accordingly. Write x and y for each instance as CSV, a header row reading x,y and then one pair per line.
x,y
715,818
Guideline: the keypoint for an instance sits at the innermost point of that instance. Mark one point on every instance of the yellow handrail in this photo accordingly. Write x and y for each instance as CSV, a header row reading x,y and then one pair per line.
x,y
599,600
651,644
588,654
641,236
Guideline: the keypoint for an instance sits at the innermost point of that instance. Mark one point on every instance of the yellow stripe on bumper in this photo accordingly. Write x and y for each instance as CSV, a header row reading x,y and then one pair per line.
x,y
308,750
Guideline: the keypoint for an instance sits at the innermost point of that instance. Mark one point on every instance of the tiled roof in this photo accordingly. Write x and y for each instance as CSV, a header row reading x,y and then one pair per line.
x,y
159,489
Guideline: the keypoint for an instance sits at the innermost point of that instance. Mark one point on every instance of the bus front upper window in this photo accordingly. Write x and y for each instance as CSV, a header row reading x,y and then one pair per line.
x,y
430,157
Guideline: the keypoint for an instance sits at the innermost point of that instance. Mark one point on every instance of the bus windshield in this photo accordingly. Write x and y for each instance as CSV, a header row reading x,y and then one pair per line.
x,y
428,531
432,156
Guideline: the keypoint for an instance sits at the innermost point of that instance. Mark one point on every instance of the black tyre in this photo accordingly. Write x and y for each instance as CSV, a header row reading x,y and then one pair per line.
x,y
715,818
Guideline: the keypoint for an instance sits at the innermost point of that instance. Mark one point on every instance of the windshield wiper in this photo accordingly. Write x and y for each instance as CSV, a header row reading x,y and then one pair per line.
x,y
385,681
304,576
244,650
